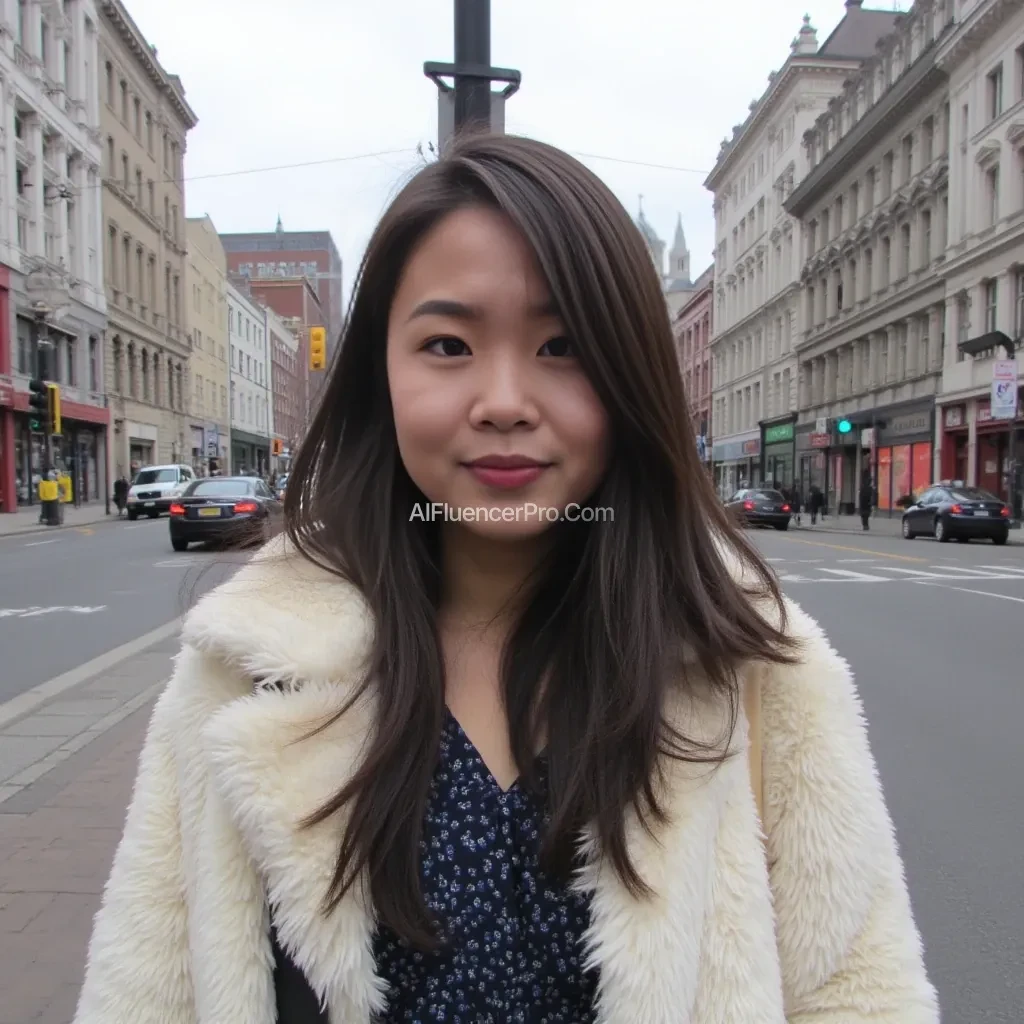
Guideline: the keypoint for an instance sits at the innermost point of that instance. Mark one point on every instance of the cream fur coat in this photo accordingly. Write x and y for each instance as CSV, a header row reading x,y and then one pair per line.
x,y
818,932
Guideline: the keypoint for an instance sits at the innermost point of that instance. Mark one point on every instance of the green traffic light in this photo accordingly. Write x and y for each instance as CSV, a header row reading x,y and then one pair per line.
x,y
845,426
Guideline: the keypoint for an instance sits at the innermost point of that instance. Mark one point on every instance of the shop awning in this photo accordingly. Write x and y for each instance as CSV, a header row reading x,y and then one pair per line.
x,y
990,339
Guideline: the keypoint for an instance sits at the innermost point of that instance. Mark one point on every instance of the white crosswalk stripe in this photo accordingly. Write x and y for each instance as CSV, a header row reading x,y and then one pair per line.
x,y
972,571
863,577
877,571
1003,568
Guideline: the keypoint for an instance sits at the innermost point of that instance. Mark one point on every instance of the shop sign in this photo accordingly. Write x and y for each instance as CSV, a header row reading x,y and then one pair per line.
x,y
984,413
778,432
821,425
752,447
911,423
954,416
819,440
6,390
1003,403
867,437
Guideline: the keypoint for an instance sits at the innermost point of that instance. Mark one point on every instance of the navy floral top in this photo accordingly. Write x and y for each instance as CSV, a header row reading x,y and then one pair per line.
x,y
513,938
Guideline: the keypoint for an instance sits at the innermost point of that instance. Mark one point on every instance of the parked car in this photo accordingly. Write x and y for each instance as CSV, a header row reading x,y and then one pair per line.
x,y
761,506
155,487
235,509
951,510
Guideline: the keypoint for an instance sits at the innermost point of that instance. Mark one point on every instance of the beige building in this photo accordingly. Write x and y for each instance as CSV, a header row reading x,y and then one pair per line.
x,y
144,119
206,323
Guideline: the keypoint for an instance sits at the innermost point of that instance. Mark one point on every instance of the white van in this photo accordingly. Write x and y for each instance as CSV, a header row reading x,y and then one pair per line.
x,y
155,487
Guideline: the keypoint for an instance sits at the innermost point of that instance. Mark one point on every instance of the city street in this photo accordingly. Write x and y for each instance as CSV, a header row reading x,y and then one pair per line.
x,y
931,630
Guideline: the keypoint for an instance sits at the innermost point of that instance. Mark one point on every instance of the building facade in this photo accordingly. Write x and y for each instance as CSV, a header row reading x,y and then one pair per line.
x,y
145,120
874,210
206,319
296,302
52,300
758,254
293,254
287,387
250,408
983,270
692,327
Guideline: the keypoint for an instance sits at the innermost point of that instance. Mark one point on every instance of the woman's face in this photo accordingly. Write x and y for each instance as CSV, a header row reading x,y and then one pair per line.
x,y
492,409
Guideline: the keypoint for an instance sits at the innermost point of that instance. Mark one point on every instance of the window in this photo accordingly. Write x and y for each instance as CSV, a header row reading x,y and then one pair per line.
x,y
994,92
125,174
124,101
126,243
869,198
928,141
908,157
138,185
137,118
905,238
151,197
991,300
111,170
112,256
149,132
886,261
839,214
854,203
926,238
109,73
887,164
992,194
139,282
94,363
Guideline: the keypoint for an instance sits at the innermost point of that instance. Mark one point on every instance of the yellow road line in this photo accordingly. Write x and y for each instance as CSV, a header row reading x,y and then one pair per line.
x,y
87,530
863,551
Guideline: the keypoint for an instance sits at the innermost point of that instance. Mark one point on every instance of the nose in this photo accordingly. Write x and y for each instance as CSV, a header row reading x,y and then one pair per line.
x,y
504,396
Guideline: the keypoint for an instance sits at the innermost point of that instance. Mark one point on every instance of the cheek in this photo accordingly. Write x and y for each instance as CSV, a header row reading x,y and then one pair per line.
x,y
582,426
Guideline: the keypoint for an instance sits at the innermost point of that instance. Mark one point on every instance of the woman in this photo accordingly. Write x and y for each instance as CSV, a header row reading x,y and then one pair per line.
x,y
439,757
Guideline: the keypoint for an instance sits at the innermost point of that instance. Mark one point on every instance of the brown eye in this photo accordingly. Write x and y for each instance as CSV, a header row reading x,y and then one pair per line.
x,y
447,346
558,347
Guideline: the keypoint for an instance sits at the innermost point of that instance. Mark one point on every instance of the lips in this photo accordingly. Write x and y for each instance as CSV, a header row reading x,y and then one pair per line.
x,y
507,462
506,472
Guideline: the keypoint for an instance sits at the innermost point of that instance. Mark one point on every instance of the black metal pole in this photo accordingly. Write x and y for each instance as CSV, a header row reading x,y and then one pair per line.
x,y
472,46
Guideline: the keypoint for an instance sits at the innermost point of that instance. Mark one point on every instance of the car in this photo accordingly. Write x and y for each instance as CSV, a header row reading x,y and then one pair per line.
x,y
233,509
155,487
761,506
952,510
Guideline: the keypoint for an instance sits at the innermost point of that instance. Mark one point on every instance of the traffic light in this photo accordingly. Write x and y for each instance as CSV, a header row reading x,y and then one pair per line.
x,y
53,408
844,426
317,348
39,404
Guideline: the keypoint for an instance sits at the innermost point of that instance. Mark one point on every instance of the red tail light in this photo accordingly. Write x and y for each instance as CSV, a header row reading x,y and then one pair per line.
x,y
177,510
749,506
957,509
1005,511
785,508
246,506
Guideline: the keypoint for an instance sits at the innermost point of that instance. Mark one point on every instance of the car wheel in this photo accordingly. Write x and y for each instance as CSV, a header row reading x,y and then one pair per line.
x,y
178,544
132,515
908,533
1001,538
941,533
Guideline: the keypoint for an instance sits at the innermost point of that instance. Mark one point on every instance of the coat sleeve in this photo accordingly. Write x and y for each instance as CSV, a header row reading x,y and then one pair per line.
x,y
137,971
849,948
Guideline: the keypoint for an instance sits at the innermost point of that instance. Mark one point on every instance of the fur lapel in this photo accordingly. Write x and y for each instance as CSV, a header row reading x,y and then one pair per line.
x,y
281,618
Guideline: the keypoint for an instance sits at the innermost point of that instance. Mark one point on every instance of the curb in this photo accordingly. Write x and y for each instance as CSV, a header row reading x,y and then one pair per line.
x,y
109,517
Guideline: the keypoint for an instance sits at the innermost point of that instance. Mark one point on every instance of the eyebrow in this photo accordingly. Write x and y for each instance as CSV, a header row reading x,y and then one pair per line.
x,y
465,311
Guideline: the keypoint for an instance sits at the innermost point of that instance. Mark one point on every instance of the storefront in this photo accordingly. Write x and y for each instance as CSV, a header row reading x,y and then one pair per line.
x,y
903,456
737,463
811,455
250,453
778,453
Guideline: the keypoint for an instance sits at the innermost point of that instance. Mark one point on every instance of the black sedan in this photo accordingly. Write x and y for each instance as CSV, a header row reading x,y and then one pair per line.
x,y
232,509
761,506
945,511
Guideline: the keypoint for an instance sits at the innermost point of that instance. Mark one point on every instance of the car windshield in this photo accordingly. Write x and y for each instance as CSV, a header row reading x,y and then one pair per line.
x,y
220,488
971,494
766,496
156,476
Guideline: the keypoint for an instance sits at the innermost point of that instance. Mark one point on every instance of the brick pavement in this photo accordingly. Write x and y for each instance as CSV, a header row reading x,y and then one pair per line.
x,y
61,816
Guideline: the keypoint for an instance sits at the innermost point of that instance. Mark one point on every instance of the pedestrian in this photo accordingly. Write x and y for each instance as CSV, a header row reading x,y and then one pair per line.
x,y
815,499
866,500
419,764
796,502
121,489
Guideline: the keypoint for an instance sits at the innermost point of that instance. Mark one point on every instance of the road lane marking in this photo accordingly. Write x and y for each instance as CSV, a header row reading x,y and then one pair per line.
x,y
861,577
1002,568
918,573
34,611
40,543
27,702
980,593
972,571
861,551
87,530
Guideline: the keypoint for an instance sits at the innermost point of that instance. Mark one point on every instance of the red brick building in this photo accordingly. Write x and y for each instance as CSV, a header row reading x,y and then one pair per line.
x,y
288,377
692,330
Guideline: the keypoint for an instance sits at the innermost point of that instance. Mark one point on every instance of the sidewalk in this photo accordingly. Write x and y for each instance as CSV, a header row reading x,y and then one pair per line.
x,y
66,776
26,520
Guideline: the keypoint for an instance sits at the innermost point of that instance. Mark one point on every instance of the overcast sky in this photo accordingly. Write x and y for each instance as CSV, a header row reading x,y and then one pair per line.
x,y
277,82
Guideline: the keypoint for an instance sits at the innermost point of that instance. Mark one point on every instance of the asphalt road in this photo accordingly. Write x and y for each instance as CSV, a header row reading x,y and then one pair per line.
x,y
933,632
69,596
938,663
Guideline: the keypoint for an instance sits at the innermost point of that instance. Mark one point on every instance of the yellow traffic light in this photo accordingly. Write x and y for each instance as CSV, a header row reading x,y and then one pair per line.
x,y
317,348
53,408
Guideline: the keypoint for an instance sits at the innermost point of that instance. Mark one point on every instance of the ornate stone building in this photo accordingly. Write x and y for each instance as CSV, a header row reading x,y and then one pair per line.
x,y
874,207
675,282
145,120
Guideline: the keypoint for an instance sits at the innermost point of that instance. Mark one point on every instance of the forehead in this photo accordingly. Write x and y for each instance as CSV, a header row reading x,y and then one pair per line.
x,y
475,255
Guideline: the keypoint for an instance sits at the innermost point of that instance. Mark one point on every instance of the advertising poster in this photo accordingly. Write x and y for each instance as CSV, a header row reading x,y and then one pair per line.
x,y
900,472
922,471
1003,404
884,478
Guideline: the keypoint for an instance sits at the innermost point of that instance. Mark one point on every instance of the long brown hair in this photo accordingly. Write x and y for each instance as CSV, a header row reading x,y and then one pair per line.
x,y
606,615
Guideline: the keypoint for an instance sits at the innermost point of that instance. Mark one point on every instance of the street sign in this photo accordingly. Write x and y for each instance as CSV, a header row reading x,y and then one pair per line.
x,y
1003,404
